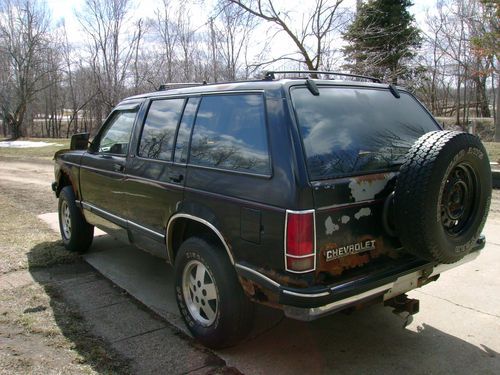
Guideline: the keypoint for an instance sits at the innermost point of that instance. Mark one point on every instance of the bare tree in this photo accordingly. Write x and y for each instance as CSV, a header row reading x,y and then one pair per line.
x,y
24,42
111,49
187,43
166,27
310,39
230,39
452,29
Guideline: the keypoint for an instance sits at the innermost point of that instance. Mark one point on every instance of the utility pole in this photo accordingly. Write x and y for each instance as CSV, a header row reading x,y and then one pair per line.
x,y
213,42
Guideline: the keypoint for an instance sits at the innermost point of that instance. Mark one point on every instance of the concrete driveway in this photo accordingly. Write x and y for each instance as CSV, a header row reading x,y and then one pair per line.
x,y
457,330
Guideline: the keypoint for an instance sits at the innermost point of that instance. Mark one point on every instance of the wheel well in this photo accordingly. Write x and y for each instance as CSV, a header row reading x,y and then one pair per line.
x,y
183,228
63,181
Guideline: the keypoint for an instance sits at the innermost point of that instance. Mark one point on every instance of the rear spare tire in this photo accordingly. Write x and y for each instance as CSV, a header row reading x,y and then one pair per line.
x,y
442,196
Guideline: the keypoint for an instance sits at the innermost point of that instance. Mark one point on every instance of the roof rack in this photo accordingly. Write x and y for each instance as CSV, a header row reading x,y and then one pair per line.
x,y
270,75
180,85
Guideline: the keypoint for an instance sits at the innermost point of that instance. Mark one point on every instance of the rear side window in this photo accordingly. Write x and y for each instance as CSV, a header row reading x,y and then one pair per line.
x,y
184,132
349,130
159,129
230,133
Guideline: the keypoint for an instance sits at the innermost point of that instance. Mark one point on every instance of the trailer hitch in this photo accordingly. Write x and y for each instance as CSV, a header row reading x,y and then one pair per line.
x,y
404,307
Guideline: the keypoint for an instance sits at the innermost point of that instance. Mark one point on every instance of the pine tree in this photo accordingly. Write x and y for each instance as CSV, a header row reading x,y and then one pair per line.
x,y
382,40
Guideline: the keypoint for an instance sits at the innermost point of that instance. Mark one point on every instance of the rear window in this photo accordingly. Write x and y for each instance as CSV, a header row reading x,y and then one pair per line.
x,y
349,130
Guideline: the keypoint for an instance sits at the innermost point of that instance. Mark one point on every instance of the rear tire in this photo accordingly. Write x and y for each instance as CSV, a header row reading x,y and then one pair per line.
x,y
210,298
76,233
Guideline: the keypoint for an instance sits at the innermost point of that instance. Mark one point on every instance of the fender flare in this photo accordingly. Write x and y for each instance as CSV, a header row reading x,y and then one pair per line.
x,y
209,225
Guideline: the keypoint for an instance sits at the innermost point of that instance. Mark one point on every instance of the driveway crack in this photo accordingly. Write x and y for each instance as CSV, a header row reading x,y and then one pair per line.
x,y
459,305
139,334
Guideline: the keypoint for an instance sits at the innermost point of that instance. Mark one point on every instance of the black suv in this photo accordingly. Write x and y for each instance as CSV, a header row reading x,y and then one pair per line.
x,y
308,195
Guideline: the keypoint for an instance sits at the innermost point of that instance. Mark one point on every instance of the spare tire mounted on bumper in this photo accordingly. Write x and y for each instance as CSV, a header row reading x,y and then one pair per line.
x,y
442,195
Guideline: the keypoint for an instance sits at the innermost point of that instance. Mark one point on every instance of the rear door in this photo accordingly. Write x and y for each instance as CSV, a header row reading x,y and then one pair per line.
x,y
156,174
355,139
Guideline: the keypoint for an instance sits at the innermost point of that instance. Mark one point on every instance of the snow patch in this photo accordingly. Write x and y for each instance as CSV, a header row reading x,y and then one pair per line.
x,y
26,144
345,219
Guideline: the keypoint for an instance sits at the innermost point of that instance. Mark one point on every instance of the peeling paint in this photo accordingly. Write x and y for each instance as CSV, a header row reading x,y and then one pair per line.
x,y
365,211
345,219
330,226
366,188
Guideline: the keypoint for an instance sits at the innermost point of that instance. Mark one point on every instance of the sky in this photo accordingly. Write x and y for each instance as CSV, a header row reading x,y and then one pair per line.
x,y
65,10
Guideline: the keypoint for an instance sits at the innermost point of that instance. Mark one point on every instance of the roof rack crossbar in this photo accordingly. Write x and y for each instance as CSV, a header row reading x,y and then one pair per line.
x,y
269,75
179,85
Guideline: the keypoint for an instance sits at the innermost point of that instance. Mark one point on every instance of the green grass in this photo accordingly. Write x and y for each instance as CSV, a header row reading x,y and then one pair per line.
x,y
40,153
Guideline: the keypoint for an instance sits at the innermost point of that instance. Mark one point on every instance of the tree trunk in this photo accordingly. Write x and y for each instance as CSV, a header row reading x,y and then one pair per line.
x,y
497,106
16,129
457,101
482,97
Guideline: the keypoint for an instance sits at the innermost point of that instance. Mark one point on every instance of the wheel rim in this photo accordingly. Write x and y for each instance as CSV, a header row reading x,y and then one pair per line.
x,y
66,220
457,204
200,293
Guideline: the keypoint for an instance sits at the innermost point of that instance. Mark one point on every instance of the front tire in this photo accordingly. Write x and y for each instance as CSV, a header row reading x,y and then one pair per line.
x,y
209,295
76,233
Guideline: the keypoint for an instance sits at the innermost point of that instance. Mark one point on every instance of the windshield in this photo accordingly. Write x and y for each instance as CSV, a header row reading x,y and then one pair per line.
x,y
352,130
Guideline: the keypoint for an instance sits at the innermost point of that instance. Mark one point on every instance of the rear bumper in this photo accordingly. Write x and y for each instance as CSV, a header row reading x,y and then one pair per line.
x,y
312,303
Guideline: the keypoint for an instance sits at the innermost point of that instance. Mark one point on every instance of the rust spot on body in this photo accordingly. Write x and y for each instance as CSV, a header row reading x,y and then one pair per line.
x,y
366,187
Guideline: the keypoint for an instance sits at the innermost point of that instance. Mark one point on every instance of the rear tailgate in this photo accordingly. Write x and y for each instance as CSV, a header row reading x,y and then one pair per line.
x,y
350,222
354,139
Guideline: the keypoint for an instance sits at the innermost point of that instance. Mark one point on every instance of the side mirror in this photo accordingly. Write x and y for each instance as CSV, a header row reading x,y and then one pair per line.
x,y
79,141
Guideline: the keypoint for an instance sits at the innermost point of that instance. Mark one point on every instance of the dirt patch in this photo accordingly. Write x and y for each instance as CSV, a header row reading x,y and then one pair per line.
x,y
39,332
21,230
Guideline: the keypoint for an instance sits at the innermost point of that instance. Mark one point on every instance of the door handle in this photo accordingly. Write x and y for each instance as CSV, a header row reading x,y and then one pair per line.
x,y
118,167
176,178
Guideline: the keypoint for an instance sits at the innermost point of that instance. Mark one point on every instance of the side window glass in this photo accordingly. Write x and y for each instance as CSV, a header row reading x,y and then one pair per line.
x,y
157,138
230,133
182,143
116,137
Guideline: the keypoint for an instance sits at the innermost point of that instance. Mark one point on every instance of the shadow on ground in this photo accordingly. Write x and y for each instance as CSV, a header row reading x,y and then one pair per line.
x,y
60,279
111,331
368,341
371,341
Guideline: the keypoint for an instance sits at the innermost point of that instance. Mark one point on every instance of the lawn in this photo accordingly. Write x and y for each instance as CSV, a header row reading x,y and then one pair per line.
x,y
47,153
493,149
39,153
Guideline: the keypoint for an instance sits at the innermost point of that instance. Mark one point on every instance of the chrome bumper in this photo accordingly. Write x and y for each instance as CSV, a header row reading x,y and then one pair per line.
x,y
387,291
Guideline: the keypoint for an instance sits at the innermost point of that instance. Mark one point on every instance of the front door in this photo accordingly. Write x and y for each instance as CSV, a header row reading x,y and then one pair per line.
x,y
103,173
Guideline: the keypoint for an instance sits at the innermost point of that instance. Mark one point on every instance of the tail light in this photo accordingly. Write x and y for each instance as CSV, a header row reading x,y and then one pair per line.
x,y
300,243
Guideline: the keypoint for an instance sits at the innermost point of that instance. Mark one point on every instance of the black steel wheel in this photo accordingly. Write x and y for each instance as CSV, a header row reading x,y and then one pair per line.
x,y
442,196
